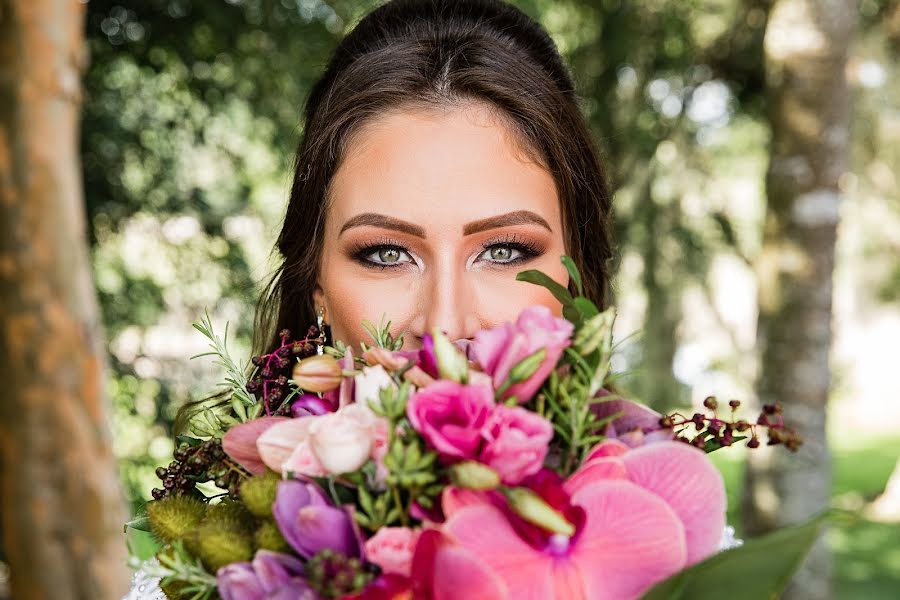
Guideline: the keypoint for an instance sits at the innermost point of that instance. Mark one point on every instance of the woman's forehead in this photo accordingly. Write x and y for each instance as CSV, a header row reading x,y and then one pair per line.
x,y
461,165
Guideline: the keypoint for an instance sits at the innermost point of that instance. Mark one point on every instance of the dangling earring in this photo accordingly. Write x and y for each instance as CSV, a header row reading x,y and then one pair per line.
x,y
320,323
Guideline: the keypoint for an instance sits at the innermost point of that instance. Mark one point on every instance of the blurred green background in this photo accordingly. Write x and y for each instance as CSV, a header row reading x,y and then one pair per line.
x,y
191,116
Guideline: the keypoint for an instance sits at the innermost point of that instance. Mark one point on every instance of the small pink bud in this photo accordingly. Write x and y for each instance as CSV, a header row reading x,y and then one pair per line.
x,y
317,373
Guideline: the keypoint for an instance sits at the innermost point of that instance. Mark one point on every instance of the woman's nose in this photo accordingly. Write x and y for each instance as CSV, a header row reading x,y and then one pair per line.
x,y
449,304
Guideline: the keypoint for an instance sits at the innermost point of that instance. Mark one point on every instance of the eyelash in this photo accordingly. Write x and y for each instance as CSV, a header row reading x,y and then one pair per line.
x,y
527,248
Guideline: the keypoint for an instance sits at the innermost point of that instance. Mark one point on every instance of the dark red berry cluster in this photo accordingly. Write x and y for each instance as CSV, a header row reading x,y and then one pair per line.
x,y
711,431
334,575
274,369
197,463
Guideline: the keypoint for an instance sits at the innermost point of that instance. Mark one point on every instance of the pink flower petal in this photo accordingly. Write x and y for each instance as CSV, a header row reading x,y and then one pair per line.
x,y
598,469
568,581
303,461
280,440
239,443
631,540
488,346
685,478
458,575
484,531
607,448
454,498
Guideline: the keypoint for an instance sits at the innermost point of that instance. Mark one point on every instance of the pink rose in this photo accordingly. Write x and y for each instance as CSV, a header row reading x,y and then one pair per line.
x,y
499,349
450,415
516,442
333,443
391,548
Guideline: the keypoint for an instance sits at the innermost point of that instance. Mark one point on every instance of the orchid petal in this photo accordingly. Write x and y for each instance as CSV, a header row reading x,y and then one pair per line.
x,y
458,575
485,531
631,539
598,469
685,478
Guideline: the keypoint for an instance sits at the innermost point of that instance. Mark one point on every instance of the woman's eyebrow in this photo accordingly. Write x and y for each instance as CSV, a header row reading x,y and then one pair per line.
x,y
383,221
518,217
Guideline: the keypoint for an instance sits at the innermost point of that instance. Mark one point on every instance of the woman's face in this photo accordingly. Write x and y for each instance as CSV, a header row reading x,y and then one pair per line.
x,y
431,218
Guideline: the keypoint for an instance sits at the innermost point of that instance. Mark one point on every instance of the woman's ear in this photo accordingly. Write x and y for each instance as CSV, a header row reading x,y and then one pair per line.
x,y
319,298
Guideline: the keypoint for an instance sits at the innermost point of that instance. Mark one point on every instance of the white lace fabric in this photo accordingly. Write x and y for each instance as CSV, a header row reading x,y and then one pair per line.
x,y
145,586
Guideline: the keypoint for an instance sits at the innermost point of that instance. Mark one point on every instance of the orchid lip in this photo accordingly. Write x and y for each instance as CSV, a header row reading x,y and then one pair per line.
x,y
558,544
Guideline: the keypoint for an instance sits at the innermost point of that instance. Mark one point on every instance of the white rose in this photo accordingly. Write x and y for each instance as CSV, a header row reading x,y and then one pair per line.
x,y
369,383
343,440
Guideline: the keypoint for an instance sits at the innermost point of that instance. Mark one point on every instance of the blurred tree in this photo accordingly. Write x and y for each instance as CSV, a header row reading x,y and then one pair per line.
x,y
62,508
806,50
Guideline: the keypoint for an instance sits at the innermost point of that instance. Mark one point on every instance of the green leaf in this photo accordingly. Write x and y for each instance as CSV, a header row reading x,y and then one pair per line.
x,y
526,367
759,569
587,308
140,522
544,280
573,273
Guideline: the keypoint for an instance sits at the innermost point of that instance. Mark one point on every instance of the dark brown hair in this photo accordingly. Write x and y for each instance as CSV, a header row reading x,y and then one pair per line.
x,y
432,54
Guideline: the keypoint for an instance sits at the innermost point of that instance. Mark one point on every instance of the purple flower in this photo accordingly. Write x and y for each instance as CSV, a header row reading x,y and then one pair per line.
x,y
427,358
310,523
634,425
310,405
450,415
499,349
271,576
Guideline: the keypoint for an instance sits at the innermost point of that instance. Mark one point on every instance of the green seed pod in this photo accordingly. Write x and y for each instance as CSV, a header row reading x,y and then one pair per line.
x,y
268,537
218,545
174,517
258,493
474,476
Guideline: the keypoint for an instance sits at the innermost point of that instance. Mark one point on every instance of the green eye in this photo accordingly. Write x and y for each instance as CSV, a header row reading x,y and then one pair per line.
x,y
501,253
389,255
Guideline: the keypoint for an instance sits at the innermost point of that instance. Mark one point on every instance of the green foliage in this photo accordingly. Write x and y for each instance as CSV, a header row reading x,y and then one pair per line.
x,y
567,401
764,565
236,376
381,335
183,577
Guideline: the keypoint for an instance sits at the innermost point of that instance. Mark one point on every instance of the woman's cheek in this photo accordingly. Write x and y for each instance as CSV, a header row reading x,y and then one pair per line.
x,y
368,300
501,297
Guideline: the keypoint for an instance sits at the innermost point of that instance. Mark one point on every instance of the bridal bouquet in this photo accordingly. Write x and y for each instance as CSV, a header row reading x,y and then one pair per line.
x,y
503,468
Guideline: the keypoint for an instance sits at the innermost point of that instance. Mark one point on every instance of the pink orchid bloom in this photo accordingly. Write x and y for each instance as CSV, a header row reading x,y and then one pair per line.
x,y
648,513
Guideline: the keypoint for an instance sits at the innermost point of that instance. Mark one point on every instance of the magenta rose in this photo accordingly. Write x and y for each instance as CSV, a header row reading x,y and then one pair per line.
x,y
516,442
499,349
450,416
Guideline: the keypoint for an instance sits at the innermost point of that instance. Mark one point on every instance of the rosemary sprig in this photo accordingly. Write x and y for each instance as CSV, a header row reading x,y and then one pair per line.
x,y
236,375
178,566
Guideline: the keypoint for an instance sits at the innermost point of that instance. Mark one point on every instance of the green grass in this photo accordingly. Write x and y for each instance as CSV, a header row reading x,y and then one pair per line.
x,y
866,554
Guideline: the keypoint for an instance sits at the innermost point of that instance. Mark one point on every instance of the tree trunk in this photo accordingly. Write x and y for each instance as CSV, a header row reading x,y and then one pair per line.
x,y
62,510
806,48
